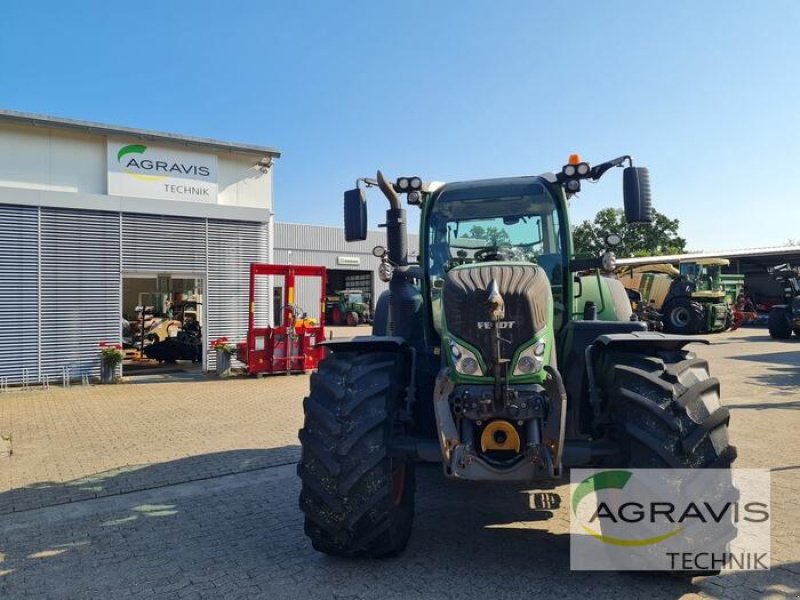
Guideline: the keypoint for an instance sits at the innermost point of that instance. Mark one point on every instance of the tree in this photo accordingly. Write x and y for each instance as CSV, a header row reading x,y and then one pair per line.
x,y
494,235
657,239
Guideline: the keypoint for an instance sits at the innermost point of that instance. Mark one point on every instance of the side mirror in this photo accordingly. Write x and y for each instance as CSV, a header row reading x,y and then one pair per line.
x,y
355,215
636,194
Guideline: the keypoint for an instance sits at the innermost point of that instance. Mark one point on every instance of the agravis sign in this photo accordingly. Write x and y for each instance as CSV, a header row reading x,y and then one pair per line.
x,y
150,171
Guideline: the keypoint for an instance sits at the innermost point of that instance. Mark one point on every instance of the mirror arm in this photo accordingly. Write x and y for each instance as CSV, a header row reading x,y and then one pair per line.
x,y
599,170
367,181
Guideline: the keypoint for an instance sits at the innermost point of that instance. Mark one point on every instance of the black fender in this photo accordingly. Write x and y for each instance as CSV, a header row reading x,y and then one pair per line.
x,y
367,343
380,320
637,340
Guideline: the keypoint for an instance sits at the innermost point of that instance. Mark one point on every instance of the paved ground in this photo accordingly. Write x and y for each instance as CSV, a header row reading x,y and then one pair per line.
x,y
187,490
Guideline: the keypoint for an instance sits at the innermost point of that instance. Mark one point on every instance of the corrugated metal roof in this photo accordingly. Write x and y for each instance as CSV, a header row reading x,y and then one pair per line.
x,y
321,238
24,118
740,253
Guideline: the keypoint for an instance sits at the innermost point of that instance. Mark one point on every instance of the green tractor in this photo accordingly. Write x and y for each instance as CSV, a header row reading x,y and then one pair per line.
x,y
348,307
500,355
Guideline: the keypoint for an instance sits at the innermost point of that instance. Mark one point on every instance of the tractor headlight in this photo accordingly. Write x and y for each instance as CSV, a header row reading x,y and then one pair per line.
x,y
465,360
403,184
609,261
582,169
531,360
573,186
569,170
385,272
415,183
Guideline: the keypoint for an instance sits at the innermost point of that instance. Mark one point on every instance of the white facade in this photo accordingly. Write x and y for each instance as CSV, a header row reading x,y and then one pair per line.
x,y
67,244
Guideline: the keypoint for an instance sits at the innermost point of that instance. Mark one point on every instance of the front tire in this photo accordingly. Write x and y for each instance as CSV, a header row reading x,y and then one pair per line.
x,y
357,495
666,411
666,414
684,317
780,327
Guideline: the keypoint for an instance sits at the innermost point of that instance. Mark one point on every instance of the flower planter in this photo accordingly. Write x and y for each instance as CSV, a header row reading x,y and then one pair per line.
x,y
107,372
223,363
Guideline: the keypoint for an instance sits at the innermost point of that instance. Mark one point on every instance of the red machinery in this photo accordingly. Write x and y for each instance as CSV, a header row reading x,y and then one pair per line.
x,y
293,346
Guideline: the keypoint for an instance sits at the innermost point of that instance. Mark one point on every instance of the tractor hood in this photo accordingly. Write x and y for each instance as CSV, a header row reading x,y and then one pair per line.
x,y
480,299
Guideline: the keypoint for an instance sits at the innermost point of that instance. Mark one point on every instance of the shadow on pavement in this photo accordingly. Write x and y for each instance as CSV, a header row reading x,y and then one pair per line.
x,y
132,478
791,405
469,541
787,358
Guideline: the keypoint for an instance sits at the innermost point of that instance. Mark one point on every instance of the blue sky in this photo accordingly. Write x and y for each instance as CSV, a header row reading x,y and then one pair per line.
x,y
706,94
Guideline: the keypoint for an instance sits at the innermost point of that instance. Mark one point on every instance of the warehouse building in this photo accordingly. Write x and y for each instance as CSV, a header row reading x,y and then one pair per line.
x,y
350,265
98,220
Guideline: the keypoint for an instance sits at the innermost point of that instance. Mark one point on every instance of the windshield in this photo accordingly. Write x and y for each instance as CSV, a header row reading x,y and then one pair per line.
x,y
509,223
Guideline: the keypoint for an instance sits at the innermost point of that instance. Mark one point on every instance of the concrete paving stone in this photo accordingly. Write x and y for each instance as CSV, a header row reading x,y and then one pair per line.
x,y
197,497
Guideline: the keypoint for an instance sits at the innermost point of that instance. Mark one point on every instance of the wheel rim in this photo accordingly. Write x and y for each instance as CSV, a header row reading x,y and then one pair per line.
x,y
680,317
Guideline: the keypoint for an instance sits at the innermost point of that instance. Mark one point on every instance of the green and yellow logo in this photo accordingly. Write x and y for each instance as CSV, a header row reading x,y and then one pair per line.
x,y
610,480
132,160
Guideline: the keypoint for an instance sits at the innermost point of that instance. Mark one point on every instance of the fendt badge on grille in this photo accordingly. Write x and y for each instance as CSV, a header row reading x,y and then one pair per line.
x,y
496,324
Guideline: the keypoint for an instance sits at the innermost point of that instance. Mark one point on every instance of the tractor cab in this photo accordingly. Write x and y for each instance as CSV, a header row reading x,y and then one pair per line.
x,y
704,275
515,221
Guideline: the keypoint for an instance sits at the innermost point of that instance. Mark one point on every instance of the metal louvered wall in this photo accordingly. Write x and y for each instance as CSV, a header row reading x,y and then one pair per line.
x,y
163,244
232,246
19,283
80,288
60,278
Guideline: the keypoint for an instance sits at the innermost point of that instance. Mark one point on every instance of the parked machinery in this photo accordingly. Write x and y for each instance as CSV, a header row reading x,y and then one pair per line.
x,y
496,356
695,298
351,307
785,318
177,339
293,346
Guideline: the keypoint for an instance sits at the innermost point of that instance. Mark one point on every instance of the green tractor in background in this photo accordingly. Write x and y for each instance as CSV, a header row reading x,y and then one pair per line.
x,y
697,301
348,307
695,298
500,355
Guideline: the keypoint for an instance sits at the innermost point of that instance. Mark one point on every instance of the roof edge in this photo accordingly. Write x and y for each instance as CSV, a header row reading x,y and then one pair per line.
x,y
25,118
739,253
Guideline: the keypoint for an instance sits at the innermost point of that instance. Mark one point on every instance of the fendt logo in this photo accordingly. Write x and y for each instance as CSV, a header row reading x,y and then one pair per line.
x,y
131,158
496,324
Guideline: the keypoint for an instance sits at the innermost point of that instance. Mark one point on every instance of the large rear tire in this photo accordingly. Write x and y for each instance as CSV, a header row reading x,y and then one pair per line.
x,y
684,316
357,495
780,326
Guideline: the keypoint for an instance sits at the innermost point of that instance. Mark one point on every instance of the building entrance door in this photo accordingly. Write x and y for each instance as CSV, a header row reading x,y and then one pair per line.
x,y
163,323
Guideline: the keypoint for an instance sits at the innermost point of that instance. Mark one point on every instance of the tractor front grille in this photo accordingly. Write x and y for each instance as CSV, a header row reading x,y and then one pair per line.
x,y
526,295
